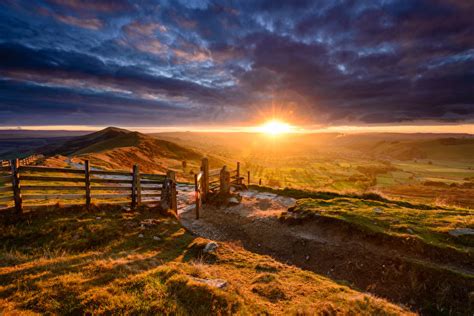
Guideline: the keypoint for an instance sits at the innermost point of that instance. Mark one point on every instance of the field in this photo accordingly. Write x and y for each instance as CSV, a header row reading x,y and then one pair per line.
x,y
432,169
70,261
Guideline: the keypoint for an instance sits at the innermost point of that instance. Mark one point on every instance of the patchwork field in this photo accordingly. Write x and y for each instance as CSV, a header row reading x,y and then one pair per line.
x,y
433,168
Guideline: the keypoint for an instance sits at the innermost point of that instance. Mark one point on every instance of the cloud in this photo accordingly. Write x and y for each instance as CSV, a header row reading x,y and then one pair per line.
x,y
327,62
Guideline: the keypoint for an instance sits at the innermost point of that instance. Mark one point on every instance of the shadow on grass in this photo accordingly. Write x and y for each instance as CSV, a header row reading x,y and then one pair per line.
x,y
90,249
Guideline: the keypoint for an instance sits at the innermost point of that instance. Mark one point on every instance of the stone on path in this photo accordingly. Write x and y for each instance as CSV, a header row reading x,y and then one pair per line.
x,y
461,231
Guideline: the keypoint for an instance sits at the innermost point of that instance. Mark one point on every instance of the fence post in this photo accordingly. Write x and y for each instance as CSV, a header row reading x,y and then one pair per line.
x,y
248,178
197,195
204,178
87,183
15,165
224,180
172,196
136,187
239,181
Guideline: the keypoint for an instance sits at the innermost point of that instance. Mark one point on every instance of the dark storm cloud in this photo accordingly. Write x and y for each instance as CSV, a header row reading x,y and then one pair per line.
x,y
174,62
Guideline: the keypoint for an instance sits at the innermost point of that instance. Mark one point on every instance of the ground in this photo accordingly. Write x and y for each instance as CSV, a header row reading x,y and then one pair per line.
x,y
112,261
419,264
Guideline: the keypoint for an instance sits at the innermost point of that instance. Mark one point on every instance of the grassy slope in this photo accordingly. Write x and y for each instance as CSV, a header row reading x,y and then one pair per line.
x,y
374,213
71,261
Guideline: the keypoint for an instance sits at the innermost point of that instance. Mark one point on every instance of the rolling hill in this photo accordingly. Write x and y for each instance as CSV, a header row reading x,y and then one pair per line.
x,y
119,149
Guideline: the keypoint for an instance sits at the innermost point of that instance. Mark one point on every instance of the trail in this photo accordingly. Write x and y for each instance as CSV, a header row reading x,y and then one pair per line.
x,y
395,271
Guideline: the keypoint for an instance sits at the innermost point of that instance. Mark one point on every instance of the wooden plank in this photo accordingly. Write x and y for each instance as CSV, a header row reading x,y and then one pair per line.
x,y
53,196
111,181
153,176
48,169
214,181
6,189
151,194
214,172
51,187
56,179
112,173
6,178
111,188
6,168
111,196
151,201
6,198
151,181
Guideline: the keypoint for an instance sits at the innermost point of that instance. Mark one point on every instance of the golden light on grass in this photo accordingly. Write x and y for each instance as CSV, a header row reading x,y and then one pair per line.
x,y
275,127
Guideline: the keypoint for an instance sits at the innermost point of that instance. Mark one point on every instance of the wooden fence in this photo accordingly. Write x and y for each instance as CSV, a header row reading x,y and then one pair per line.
x,y
216,181
32,186
23,161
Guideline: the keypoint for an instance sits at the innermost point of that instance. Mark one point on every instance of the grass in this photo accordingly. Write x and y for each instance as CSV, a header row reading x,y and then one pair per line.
x,y
69,261
431,225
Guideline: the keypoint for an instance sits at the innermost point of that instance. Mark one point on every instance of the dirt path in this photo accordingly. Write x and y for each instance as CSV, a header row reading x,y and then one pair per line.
x,y
393,271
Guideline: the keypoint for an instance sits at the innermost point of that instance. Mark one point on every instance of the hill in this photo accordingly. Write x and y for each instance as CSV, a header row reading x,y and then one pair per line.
x,y
115,148
72,261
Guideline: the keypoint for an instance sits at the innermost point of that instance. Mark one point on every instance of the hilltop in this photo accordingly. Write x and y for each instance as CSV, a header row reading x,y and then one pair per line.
x,y
116,148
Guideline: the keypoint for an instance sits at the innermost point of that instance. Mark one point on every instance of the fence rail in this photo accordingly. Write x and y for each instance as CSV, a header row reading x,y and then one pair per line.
x,y
23,161
32,186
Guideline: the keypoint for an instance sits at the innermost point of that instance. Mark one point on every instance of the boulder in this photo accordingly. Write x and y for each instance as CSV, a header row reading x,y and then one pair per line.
x,y
210,247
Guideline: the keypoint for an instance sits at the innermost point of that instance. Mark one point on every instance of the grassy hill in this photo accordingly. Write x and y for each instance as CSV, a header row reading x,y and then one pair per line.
x,y
119,149
70,261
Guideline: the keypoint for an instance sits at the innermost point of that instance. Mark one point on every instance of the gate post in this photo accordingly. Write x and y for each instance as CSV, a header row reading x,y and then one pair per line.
x,y
136,187
15,165
204,178
224,181
173,203
87,183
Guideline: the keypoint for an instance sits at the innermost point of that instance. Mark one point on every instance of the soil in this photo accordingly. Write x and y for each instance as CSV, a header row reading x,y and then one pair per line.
x,y
427,280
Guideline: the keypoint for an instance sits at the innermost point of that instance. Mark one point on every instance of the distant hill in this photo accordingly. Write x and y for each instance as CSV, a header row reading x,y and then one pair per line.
x,y
115,148
455,147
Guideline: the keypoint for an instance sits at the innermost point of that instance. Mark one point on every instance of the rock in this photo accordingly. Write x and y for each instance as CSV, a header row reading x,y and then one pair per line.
x,y
210,247
307,258
217,283
149,222
156,238
233,201
125,209
98,217
378,210
410,230
140,236
461,232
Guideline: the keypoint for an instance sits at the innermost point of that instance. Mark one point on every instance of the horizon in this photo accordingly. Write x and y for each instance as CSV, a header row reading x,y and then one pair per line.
x,y
402,129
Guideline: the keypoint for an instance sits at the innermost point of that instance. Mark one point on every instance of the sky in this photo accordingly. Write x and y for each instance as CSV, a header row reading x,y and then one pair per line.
x,y
202,63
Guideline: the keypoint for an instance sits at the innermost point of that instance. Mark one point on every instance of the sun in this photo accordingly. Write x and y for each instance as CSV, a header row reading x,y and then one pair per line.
x,y
275,127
